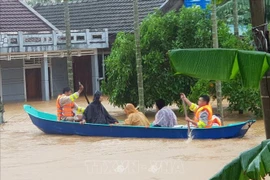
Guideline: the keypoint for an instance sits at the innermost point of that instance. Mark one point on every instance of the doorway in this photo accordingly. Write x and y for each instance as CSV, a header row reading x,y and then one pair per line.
x,y
82,69
33,83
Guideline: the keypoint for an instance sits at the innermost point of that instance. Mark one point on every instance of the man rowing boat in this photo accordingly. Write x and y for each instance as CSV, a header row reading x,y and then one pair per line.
x,y
66,106
203,112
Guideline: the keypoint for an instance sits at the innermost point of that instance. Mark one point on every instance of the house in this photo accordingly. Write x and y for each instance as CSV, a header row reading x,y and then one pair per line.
x,y
33,54
32,43
116,15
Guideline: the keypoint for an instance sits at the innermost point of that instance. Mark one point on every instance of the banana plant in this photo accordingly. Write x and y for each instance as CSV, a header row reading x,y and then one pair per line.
x,y
252,164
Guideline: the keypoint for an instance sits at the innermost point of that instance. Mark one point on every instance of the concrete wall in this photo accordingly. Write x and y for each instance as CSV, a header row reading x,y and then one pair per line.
x,y
12,80
59,75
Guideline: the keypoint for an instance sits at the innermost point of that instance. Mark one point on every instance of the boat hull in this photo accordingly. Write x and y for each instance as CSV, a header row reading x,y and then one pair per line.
x,y
48,124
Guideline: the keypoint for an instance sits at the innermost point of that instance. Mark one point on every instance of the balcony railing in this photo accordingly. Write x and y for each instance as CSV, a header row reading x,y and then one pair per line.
x,y
55,41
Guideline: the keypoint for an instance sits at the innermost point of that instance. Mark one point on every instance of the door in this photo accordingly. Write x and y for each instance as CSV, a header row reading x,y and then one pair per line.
x,y
83,73
33,84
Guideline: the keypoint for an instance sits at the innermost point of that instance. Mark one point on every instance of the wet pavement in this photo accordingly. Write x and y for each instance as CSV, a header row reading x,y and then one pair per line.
x,y
29,154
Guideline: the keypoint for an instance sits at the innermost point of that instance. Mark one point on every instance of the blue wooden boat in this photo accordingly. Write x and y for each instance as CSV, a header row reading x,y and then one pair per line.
x,y
48,124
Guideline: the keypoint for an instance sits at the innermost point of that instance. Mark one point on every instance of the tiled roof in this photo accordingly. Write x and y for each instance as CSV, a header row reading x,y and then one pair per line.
x,y
116,15
16,16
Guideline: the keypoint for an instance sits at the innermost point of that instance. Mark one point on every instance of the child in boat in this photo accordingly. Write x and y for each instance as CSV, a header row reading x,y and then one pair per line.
x,y
203,112
165,117
66,106
96,113
135,117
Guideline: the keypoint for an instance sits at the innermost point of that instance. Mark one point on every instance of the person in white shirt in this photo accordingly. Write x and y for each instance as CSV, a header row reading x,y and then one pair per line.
x,y
165,117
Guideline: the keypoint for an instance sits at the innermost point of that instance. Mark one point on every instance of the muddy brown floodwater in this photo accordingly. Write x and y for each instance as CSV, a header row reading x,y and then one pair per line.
x,y
29,154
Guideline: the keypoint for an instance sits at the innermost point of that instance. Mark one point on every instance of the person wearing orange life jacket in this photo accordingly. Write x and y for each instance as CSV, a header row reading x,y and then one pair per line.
x,y
67,109
204,117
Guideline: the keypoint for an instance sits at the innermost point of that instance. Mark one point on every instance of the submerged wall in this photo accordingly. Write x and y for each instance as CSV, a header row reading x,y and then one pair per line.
x,y
12,74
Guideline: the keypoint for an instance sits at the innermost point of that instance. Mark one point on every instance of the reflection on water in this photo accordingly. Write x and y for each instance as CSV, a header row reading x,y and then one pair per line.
x,y
27,153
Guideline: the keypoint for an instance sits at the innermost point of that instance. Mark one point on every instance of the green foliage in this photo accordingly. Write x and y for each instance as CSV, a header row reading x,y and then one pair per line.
x,y
194,29
228,40
242,99
189,28
252,164
225,11
202,87
157,34
121,80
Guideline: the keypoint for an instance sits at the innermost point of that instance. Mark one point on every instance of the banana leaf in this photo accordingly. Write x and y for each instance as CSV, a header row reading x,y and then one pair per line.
x,y
252,164
252,66
268,58
221,64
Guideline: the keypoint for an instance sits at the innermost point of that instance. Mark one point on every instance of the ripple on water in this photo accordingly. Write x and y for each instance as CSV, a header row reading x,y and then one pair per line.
x,y
25,147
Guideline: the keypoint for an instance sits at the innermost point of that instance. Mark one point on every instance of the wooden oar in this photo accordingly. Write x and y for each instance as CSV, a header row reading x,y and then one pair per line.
x,y
84,92
185,111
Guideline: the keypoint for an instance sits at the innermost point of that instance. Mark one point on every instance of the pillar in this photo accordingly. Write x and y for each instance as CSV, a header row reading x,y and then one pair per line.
x,y
45,80
103,65
95,73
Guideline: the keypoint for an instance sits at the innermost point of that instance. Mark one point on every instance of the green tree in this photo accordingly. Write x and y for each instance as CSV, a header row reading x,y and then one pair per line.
x,y
242,99
189,28
225,11
158,33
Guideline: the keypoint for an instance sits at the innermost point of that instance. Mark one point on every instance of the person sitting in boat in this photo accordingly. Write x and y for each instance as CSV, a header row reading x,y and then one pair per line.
x,y
135,117
66,106
165,117
204,117
96,113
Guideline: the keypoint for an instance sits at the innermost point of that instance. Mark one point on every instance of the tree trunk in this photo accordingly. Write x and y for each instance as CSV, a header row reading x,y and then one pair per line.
x,y
257,9
215,45
68,47
138,56
235,17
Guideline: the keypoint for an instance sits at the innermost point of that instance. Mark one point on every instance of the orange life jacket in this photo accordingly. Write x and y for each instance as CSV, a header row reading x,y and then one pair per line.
x,y
216,121
207,108
66,110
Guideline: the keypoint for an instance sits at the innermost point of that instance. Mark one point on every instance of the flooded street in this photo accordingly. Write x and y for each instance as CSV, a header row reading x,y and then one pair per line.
x,y
29,154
